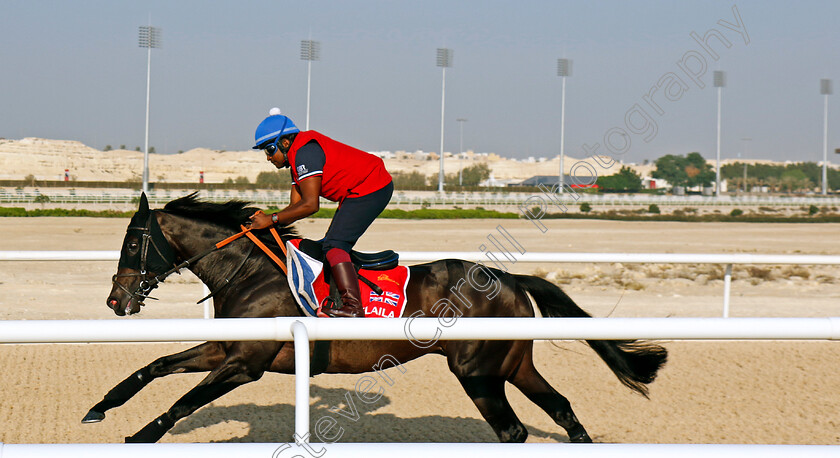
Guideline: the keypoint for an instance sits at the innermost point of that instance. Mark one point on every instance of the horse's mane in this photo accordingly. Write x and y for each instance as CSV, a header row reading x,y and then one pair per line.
x,y
230,214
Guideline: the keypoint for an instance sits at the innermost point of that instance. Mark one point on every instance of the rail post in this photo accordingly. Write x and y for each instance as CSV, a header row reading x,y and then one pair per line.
x,y
301,336
207,302
727,286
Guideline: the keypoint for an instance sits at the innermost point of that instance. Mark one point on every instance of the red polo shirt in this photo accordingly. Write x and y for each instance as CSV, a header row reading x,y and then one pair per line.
x,y
347,172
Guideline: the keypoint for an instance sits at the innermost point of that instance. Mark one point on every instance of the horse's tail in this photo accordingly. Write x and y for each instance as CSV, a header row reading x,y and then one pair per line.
x,y
635,363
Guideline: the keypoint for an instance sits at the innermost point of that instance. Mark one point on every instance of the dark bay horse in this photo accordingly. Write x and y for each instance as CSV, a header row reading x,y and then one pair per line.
x,y
248,284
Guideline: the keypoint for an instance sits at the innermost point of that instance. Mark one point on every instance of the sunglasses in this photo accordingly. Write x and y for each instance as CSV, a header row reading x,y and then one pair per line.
x,y
270,149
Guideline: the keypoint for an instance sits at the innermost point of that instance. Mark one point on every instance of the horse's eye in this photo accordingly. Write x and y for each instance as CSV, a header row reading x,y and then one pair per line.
x,y
133,246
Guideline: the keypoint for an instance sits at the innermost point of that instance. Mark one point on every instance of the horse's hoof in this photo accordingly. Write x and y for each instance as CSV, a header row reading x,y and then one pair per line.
x,y
579,435
93,417
139,439
152,432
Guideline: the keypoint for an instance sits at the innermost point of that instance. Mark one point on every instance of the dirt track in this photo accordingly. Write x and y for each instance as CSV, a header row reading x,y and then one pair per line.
x,y
710,392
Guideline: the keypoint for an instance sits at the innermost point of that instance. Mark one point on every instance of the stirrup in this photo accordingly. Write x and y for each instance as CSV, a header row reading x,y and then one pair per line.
x,y
328,309
326,304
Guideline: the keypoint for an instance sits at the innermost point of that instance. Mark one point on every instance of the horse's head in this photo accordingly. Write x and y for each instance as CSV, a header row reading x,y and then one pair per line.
x,y
145,255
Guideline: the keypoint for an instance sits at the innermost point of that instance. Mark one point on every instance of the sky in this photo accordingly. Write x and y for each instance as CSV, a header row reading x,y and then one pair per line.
x,y
640,88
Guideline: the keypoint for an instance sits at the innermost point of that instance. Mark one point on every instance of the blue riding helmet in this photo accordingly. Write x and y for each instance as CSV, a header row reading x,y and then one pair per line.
x,y
272,128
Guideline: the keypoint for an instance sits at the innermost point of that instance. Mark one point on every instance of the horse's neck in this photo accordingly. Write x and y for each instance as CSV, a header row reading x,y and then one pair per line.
x,y
190,238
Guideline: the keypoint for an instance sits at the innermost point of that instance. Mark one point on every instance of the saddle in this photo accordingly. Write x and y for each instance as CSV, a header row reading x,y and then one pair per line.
x,y
382,260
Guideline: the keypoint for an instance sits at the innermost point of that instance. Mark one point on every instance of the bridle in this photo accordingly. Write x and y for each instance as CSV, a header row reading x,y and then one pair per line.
x,y
164,252
151,236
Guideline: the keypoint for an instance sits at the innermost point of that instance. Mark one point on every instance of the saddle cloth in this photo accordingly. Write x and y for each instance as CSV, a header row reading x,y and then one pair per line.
x,y
306,279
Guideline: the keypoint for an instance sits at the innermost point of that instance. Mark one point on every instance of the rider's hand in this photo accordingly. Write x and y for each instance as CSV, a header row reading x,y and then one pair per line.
x,y
260,220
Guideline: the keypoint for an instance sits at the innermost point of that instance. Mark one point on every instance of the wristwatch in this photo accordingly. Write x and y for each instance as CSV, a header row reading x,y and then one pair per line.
x,y
274,218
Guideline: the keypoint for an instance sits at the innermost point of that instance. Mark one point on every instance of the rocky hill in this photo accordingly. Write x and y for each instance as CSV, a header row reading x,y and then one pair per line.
x,y
47,160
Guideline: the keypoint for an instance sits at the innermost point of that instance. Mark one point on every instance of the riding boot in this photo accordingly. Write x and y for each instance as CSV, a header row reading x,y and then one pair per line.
x,y
347,283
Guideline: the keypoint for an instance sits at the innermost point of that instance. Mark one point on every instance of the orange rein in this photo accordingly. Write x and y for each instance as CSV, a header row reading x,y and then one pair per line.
x,y
247,232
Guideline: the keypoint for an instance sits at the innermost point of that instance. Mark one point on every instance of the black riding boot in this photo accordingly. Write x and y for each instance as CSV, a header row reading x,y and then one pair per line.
x,y
344,275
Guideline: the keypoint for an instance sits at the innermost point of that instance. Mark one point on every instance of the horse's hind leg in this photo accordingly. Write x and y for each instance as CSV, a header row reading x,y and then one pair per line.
x,y
488,394
200,358
537,389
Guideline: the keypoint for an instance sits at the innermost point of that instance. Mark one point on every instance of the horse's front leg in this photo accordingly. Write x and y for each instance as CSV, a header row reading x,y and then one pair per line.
x,y
201,358
245,362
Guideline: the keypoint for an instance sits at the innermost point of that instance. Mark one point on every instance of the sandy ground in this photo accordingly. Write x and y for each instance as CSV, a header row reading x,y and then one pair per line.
x,y
710,392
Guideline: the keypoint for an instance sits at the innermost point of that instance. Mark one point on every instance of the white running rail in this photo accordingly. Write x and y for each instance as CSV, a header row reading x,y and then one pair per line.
x,y
422,450
727,260
417,330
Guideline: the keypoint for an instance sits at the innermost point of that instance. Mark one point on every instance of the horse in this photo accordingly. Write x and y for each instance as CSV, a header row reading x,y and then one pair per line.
x,y
186,232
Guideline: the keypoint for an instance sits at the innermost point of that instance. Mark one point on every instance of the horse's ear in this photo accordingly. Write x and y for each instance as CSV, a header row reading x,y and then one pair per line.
x,y
144,203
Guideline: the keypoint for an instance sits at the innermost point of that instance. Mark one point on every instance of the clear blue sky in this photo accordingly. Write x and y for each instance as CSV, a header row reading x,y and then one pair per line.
x,y
73,70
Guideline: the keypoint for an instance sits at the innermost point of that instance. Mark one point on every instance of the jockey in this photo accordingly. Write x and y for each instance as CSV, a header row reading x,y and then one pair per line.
x,y
321,166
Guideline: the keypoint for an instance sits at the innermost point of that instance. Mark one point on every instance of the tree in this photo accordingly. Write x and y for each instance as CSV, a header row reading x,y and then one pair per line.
x,y
779,177
795,180
274,180
698,171
107,148
475,174
672,169
691,170
626,180
413,180
238,180
151,150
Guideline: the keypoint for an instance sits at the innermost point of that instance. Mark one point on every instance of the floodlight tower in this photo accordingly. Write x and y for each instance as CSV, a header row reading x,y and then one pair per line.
x,y
461,122
825,90
150,37
309,50
719,83
745,144
444,60
564,69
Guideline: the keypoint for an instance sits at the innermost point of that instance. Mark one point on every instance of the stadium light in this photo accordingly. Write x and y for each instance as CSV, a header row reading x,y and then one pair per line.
x,y
309,50
719,81
461,122
564,69
745,144
150,37
444,60
825,90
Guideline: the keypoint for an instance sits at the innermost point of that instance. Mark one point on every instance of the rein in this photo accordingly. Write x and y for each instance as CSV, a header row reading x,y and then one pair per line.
x,y
257,242
146,286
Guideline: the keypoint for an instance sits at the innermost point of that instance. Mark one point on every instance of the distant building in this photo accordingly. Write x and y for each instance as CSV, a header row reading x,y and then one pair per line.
x,y
551,181
654,183
383,154
492,182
